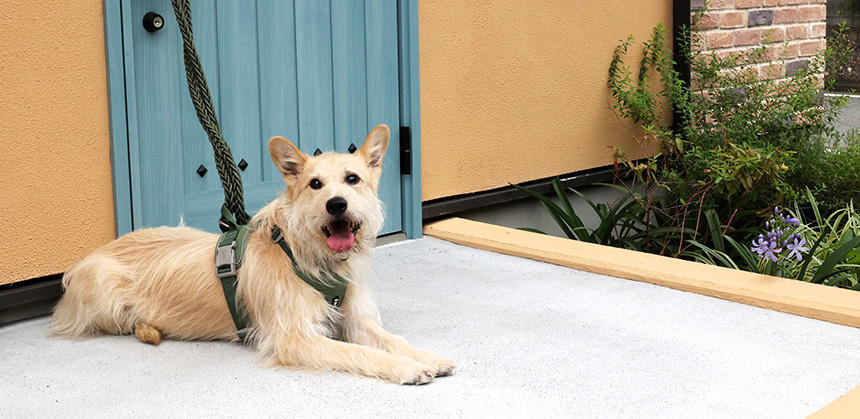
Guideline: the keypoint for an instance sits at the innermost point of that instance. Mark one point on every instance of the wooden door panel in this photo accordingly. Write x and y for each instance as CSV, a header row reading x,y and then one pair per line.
x,y
319,73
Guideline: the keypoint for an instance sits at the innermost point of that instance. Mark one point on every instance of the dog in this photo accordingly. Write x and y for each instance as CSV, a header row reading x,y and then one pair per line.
x,y
161,282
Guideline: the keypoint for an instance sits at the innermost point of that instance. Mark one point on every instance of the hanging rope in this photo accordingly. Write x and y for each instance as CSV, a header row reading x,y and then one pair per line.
x,y
199,90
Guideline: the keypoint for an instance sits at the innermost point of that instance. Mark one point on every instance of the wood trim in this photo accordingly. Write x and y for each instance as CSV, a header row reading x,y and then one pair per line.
x,y
117,116
410,107
846,406
787,295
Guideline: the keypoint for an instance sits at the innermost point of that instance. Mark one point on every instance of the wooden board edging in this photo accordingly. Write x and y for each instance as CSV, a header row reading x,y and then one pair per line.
x,y
787,295
846,406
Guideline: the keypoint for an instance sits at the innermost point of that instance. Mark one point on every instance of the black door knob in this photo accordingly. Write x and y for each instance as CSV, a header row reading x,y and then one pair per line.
x,y
152,22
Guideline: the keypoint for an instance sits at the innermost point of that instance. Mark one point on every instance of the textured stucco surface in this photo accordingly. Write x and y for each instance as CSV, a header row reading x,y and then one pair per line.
x,y
55,180
510,91
515,90
530,339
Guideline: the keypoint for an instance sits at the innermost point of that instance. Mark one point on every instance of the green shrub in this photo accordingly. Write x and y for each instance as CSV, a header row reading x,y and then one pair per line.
x,y
740,145
636,220
623,223
825,249
741,142
831,170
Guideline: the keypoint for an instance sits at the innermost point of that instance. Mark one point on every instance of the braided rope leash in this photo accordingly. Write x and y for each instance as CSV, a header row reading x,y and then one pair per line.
x,y
230,248
231,179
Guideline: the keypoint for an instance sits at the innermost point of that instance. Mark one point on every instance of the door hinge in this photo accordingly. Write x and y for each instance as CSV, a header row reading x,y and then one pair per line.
x,y
405,151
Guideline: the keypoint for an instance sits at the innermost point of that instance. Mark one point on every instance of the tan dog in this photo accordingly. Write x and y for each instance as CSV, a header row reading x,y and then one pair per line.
x,y
161,281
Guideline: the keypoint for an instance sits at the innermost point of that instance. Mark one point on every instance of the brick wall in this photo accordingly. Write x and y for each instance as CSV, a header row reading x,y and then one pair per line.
x,y
792,30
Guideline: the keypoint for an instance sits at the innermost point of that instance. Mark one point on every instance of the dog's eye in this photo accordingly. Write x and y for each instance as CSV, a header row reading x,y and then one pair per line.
x,y
352,179
315,184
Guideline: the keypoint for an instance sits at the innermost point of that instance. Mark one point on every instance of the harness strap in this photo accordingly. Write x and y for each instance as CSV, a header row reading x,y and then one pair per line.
x,y
229,254
333,289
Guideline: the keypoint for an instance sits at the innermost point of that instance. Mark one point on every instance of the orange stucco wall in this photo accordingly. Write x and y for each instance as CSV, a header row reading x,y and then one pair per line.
x,y
511,91
515,90
56,202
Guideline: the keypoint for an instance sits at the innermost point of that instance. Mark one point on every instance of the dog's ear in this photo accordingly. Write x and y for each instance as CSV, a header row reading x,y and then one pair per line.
x,y
287,158
374,146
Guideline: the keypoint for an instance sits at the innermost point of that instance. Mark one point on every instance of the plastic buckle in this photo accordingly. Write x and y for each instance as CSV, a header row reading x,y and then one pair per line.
x,y
224,257
224,225
278,236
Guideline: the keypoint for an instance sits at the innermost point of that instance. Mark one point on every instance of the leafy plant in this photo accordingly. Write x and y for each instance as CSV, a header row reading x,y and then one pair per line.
x,y
614,218
784,250
831,171
744,137
740,143
627,222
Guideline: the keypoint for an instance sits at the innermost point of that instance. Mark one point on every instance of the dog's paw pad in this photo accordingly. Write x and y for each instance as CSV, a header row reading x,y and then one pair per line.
x,y
420,374
441,366
444,367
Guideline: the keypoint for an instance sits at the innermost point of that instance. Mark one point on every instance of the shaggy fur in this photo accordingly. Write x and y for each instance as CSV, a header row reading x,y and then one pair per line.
x,y
161,282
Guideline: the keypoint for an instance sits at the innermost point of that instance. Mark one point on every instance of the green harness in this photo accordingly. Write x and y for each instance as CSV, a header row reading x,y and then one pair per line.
x,y
231,245
230,252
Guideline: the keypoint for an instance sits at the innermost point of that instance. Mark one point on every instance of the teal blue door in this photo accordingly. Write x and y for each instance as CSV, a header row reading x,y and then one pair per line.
x,y
320,73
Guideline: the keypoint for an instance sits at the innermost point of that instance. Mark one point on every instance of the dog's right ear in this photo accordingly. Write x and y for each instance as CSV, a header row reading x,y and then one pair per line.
x,y
287,158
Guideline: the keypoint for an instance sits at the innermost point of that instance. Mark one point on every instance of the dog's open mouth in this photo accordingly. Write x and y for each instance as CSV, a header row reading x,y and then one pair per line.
x,y
341,234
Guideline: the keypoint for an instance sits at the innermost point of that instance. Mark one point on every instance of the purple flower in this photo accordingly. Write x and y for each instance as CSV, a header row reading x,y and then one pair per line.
x,y
766,249
790,220
797,248
760,246
770,254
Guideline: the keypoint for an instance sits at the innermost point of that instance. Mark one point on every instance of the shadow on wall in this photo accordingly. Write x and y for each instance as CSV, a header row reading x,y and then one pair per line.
x,y
530,213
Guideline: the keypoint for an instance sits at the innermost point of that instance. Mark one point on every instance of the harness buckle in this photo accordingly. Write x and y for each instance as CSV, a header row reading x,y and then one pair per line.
x,y
278,235
225,256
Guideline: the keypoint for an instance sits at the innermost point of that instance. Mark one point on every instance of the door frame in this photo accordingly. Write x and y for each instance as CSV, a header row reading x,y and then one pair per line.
x,y
119,96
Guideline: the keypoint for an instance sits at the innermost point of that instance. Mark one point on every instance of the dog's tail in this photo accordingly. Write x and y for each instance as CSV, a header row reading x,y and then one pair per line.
x,y
93,300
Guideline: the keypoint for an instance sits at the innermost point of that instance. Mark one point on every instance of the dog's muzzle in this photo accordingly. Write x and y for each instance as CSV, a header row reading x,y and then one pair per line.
x,y
340,234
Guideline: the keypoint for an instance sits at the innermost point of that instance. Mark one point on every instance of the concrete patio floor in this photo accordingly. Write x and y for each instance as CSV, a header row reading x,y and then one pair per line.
x,y
529,338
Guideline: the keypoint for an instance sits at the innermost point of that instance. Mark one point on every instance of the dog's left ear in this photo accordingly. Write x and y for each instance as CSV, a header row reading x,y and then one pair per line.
x,y
375,145
287,158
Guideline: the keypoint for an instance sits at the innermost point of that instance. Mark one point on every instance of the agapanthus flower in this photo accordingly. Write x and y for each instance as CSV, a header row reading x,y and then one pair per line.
x,y
766,248
797,248
771,253
760,246
770,245
789,220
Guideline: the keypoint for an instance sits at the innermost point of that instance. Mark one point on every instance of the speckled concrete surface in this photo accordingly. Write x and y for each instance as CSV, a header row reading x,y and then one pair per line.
x,y
530,339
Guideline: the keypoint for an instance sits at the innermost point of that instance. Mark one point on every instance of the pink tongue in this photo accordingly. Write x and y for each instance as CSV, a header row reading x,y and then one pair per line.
x,y
341,242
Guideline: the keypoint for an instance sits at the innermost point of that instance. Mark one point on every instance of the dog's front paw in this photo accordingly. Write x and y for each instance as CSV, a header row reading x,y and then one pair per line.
x,y
441,366
414,373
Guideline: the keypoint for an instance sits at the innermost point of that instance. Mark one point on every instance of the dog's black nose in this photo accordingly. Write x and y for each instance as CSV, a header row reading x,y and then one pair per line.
x,y
336,206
